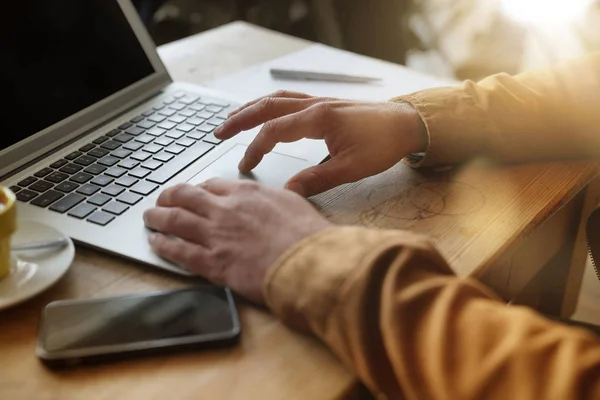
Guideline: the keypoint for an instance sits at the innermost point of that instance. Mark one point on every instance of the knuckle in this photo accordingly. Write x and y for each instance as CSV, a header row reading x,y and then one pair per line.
x,y
265,103
249,186
281,93
323,109
174,219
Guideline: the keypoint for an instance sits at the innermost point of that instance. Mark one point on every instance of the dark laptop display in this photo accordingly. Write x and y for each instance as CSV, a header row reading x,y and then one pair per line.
x,y
58,57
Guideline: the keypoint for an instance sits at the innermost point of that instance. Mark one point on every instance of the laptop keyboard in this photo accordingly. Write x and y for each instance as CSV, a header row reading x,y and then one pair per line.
x,y
107,176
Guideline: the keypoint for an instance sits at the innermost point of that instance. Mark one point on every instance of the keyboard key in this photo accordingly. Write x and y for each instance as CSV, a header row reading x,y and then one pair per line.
x,y
197,135
215,121
148,113
167,125
101,218
121,153
73,155
156,118
41,186
179,94
174,149
85,160
43,172
95,169
224,114
144,139
187,113
100,140
82,211
129,164
156,131
198,106
206,128
56,177
98,153
167,112
87,147
126,181
177,106
195,121
137,119
146,124
185,127
134,131
44,200
71,169
214,109
180,163
158,107
102,180
210,138
123,137
116,172
108,161
219,103
81,177
27,181
189,99
144,188
178,119
141,156
113,133
186,142
99,199
15,189
204,115
152,165
111,145
152,148
115,208
125,125
175,134
140,173
164,156
163,141
88,189
67,203
130,198
133,146
58,164
169,100
66,187
26,195
113,190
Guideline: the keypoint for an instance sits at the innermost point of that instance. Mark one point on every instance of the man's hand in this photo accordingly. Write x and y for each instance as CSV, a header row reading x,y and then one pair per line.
x,y
363,138
230,232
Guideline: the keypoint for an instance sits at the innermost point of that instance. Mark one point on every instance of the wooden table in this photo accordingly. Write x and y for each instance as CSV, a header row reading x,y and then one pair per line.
x,y
499,224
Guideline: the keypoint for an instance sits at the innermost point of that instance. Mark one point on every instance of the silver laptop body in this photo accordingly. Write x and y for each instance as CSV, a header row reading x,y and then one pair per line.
x,y
25,153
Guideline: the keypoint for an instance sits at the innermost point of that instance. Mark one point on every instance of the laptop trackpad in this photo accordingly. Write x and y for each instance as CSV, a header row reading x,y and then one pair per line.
x,y
274,170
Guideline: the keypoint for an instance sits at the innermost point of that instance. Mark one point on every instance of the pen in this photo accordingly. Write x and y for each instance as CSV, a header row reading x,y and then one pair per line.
x,y
319,76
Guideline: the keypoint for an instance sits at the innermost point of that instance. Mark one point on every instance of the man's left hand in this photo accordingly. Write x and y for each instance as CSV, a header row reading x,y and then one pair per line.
x,y
230,232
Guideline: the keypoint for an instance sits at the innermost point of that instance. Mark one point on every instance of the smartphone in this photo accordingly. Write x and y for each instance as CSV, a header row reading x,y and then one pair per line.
x,y
74,332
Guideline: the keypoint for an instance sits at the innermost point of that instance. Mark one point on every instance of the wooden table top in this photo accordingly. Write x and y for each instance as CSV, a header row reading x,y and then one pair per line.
x,y
474,214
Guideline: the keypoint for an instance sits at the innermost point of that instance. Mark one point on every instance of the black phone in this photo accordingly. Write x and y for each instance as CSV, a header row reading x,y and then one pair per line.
x,y
74,332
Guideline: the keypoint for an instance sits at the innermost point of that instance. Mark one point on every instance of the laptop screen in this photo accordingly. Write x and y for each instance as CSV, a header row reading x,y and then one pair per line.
x,y
57,57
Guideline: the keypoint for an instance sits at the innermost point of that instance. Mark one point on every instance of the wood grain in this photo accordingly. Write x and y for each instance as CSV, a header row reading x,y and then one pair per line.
x,y
476,214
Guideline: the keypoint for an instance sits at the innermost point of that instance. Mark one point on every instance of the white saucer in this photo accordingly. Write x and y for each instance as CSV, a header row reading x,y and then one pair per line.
x,y
32,272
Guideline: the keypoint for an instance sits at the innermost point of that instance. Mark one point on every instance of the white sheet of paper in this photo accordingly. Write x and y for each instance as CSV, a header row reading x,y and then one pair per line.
x,y
396,80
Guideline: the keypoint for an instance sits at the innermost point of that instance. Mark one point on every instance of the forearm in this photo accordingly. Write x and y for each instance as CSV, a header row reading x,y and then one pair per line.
x,y
548,114
389,306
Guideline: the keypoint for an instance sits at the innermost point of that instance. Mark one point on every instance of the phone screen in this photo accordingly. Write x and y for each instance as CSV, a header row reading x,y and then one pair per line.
x,y
134,320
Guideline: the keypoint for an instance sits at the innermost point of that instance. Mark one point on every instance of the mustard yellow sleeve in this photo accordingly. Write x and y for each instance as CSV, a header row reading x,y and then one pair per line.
x,y
390,307
547,114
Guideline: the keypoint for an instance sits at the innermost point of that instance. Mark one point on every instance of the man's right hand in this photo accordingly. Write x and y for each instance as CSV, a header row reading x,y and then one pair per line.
x,y
363,138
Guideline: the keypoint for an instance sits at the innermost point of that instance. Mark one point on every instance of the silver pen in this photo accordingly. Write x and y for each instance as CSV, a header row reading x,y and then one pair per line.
x,y
319,76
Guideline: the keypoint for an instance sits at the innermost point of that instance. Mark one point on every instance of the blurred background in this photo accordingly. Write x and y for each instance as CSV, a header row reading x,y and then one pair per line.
x,y
462,39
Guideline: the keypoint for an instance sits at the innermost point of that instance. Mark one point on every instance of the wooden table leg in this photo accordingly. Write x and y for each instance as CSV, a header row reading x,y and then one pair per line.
x,y
579,255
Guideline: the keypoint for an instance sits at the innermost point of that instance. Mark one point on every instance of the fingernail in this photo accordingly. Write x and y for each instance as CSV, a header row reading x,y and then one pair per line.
x,y
152,238
218,131
295,187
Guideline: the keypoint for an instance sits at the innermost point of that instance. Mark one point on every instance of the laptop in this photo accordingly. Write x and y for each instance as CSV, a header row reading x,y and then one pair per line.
x,y
95,128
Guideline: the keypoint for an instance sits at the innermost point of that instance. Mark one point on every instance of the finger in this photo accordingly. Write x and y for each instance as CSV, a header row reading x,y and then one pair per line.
x,y
264,110
290,128
279,94
180,252
177,222
188,197
320,178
